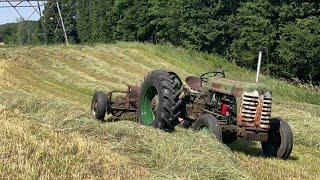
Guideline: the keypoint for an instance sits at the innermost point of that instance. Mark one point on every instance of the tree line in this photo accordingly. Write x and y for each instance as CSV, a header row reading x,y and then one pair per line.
x,y
234,29
22,32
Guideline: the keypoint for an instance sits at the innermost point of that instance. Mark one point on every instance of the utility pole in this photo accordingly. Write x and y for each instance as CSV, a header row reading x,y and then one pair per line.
x,y
43,25
62,24
259,66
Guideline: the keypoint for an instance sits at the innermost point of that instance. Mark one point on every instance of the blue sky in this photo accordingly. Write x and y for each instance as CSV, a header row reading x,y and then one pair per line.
x,y
8,15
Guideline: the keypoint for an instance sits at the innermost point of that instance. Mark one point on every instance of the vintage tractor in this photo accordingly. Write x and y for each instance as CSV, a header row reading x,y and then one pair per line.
x,y
227,109
115,103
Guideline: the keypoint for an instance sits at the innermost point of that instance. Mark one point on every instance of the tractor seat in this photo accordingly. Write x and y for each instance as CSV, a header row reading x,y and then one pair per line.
x,y
195,83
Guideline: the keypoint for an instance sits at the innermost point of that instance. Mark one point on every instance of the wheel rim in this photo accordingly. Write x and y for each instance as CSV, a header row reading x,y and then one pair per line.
x,y
147,113
204,129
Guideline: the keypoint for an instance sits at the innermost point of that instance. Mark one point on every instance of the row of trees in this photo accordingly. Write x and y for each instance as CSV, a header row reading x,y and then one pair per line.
x,y
22,32
235,29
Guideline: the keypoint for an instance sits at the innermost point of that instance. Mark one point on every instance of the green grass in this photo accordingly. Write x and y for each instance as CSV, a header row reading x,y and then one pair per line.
x,y
196,63
47,133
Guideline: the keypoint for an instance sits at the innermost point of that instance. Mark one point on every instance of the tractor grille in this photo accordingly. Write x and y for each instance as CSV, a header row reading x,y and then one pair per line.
x,y
256,111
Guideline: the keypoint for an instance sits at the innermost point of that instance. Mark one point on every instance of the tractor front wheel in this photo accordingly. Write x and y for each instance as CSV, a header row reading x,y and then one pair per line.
x,y
159,100
280,140
207,123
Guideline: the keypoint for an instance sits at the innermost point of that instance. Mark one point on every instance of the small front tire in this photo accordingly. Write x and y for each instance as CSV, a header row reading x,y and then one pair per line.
x,y
280,140
209,124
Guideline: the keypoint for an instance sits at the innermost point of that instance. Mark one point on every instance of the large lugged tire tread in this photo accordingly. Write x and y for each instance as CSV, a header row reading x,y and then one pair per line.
x,y
169,88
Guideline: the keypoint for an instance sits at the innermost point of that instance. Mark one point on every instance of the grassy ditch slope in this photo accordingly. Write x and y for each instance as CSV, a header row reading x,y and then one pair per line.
x,y
46,131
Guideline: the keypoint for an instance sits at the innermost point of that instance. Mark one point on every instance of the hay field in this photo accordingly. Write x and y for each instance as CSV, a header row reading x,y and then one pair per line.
x,y
47,133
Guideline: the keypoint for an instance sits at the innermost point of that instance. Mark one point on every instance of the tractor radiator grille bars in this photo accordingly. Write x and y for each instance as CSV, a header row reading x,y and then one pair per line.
x,y
255,111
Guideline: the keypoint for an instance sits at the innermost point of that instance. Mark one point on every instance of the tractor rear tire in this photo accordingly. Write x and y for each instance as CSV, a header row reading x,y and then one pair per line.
x,y
280,140
208,124
99,105
167,87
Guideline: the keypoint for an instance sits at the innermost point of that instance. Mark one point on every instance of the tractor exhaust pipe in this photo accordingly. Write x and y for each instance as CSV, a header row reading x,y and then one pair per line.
x,y
259,66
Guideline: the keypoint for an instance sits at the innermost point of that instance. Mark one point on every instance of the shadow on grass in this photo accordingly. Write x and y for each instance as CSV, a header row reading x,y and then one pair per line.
x,y
107,119
251,148
247,147
124,117
112,119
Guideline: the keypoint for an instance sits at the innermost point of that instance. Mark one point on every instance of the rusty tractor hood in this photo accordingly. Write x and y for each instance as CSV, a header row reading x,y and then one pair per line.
x,y
236,88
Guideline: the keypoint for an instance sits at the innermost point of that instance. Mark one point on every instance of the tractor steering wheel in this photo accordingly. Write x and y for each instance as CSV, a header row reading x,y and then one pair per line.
x,y
204,77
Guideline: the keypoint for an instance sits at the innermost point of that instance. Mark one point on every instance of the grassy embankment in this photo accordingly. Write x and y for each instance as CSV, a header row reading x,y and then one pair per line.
x,y
45,94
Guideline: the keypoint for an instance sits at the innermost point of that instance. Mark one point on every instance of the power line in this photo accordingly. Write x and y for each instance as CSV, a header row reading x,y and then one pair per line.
x,y
36,5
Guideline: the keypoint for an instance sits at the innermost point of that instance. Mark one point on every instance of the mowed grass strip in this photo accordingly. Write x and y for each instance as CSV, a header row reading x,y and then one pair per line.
x,y
302,164
184,154
30,150
304,120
